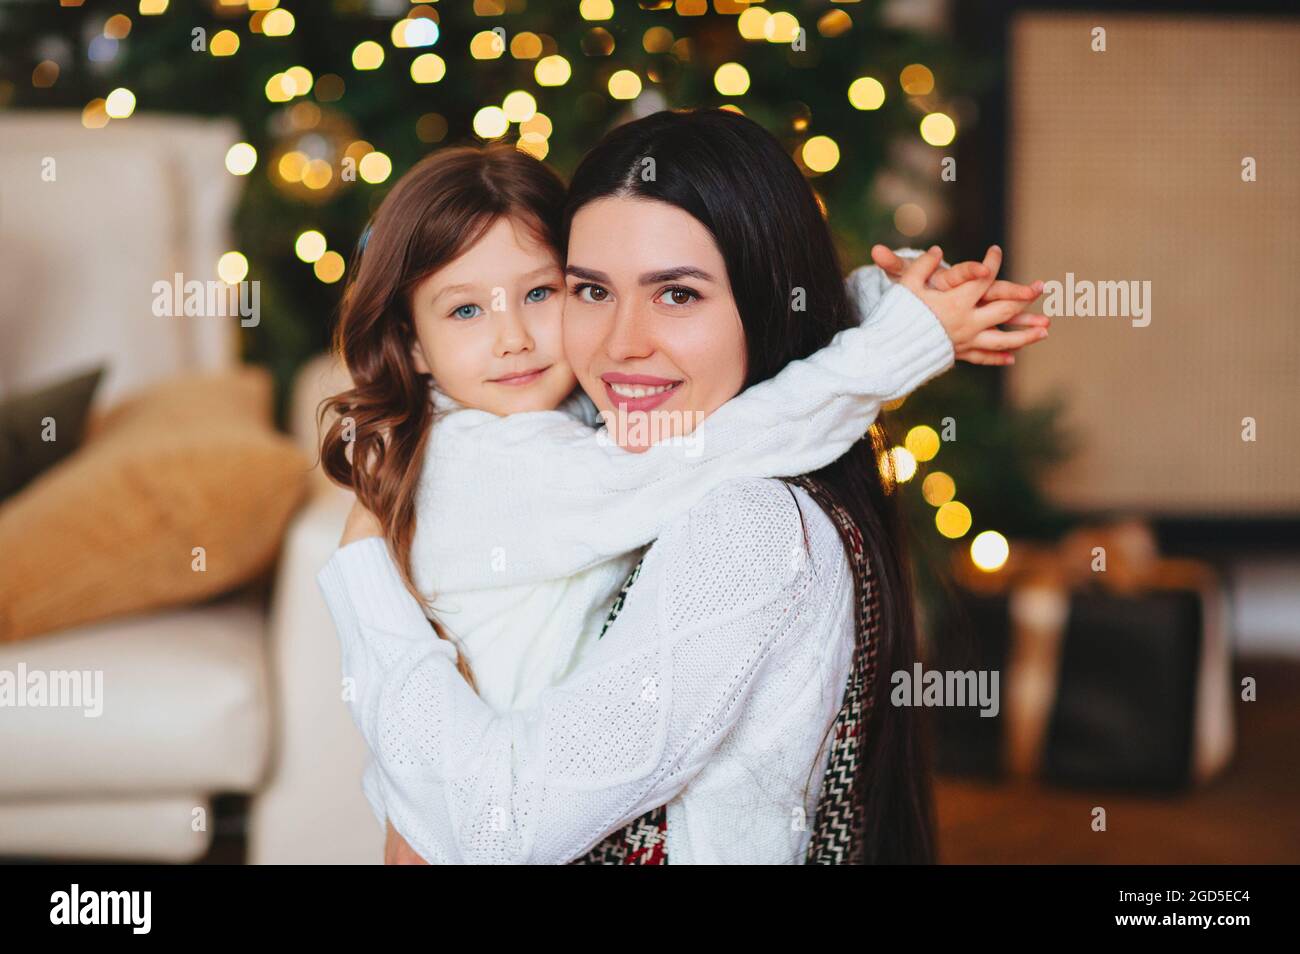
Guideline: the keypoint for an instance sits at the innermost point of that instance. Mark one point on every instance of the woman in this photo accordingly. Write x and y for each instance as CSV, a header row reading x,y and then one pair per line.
x,y
714,689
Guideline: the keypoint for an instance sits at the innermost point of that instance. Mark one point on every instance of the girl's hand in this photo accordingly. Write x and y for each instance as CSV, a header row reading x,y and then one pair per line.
x,y
361,524
944,278
894,265
970,304
397,851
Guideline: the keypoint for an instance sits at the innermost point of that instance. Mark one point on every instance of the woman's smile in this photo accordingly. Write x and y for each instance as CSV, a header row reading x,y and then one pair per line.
x,y
637,392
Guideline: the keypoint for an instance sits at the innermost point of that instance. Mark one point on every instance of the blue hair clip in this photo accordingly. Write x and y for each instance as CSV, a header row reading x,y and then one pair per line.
x,y
365,237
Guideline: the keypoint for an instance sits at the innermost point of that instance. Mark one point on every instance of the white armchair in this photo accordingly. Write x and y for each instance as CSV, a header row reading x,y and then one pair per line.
x,y
209,699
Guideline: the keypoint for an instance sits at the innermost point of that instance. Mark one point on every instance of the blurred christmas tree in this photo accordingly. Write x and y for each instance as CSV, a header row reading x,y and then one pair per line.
x,y
336,98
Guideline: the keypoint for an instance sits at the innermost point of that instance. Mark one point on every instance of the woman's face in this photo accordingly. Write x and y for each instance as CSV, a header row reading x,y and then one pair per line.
x,y
651,328
487,324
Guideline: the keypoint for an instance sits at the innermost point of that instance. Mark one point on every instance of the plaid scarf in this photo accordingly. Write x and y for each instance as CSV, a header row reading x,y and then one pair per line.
x,y
837,829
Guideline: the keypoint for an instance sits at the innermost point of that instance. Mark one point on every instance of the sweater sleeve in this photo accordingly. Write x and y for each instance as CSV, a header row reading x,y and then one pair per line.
x,y
537,496
628,728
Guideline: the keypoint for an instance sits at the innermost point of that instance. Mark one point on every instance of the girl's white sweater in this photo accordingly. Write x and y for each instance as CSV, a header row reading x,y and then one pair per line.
x,y
712,690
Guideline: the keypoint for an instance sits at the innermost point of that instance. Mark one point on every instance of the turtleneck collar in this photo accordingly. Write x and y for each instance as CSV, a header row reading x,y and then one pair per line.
x,y
442,401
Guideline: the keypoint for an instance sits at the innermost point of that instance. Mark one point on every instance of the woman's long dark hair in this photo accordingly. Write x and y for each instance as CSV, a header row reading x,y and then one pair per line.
x,y
733,177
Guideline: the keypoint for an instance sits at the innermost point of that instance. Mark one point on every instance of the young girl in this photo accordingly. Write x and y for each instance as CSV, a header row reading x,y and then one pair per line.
x,y
495,494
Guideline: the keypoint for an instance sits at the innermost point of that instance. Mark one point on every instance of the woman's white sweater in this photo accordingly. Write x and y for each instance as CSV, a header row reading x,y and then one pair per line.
x,y
713,689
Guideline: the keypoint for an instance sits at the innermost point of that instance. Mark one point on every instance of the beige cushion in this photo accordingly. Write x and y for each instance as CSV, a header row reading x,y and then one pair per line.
x,y
191,463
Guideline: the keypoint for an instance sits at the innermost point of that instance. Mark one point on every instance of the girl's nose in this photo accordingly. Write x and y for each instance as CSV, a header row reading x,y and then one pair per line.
x,y
511,334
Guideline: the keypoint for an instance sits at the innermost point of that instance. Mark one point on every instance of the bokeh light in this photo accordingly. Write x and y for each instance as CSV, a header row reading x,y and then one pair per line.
x,y
490,122
232,267
428,68
367,55
989,551
866,92
625,84
225,43
309,246
375,167
277,22
923,442
519,106
486,45
953,519
916,80
329,267
93,115
552,71
938,129
904,464
821,153
240,159
938,488
781,28
731,79
120,103
752,23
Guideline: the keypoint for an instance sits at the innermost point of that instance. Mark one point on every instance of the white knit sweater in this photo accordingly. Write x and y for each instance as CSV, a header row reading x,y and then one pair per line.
x,y
529,525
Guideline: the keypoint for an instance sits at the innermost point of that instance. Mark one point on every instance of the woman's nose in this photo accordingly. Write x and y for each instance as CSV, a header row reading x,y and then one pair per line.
x,y
629,337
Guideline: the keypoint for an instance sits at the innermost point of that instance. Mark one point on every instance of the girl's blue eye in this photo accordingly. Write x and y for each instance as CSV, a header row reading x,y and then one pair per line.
x,y
467,311
540,293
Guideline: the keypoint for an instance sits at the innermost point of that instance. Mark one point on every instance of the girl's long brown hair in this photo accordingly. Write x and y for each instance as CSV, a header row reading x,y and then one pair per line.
x,y
437,211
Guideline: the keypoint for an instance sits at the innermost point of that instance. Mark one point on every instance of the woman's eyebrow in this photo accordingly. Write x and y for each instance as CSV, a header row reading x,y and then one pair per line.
x,y
647,278
590,275
672,274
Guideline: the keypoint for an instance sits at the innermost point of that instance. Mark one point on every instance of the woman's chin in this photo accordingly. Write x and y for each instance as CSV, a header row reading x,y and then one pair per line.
x,y
636,431
636,448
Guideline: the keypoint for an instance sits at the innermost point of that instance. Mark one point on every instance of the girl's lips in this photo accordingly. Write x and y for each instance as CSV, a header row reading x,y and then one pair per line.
x,y
518,380
640,392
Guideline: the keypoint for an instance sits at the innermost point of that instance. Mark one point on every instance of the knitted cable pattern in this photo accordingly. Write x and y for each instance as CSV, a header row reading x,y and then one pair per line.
x,y
837,829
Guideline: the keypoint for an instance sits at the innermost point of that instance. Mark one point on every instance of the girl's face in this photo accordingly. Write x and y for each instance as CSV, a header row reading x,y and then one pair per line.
x,y
651,323
487,324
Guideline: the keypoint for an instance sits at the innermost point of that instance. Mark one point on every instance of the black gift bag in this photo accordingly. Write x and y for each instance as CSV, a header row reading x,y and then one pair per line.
x,y
1115,690
1125,707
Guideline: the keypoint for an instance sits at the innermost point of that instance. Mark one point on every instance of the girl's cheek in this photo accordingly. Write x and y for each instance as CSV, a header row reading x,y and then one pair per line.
x,y
458,353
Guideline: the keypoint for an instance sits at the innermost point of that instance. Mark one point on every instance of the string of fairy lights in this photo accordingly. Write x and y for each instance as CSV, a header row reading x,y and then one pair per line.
x,y
953,519
315,178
